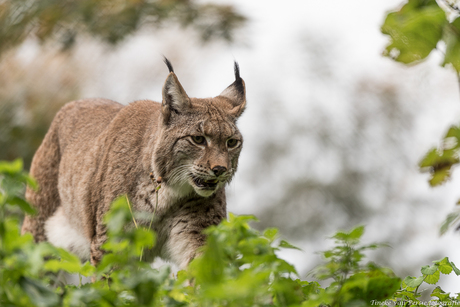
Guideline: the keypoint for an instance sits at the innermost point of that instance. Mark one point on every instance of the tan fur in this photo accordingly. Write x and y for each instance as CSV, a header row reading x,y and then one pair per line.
x,y
98,149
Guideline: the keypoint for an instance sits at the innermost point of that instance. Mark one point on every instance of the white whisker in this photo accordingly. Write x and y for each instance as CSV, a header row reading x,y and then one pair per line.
x,y
179,174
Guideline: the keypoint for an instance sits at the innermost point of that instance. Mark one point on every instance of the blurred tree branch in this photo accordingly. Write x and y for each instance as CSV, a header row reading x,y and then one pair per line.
x,y
30,95
110,20
451,5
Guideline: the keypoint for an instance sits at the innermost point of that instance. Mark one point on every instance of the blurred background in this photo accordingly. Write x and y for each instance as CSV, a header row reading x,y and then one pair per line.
x,y
333,130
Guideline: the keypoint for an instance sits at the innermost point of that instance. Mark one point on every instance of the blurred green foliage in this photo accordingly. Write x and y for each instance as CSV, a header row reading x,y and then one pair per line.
x,y
238,266
30,96
110,20
439,161
415,30
418,28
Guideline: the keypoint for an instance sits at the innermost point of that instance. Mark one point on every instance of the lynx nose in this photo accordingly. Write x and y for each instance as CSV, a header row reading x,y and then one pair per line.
x,y
219,170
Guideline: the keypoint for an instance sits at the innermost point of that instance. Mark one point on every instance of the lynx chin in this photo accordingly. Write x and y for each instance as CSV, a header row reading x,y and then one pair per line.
x,y
97,149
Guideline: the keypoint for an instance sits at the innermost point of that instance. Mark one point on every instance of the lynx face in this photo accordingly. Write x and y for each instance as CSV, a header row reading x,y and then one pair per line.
x,y
206,154
200,137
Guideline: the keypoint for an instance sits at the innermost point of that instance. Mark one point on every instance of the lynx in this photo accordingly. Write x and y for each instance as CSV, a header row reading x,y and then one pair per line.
x,y
96,150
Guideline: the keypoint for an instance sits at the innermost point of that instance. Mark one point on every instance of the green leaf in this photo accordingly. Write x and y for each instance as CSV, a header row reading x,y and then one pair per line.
x,y
11,168
87,269
439,293
454,131
433,278
415,30
287,291
449,221
440,176
116,246
444,266
57,265
430,159
232,218
429,270
413,282
350,237
356,233
11,238
374,246
282,266
108,261
67,256
440,161
285,244
21,203
452,40
143,238
381,288
405,294
209,267
271,233
31,182
456,270
309,287
118,216
69,262
38,293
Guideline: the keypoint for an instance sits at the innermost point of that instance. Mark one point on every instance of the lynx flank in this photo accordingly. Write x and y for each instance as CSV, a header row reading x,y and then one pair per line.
x,y
98,149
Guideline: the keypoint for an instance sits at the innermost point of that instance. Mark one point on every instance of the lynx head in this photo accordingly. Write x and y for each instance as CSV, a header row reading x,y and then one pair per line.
x,y
199,143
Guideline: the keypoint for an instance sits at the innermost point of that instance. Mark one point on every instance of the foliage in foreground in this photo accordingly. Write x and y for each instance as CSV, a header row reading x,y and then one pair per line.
x,y
238,267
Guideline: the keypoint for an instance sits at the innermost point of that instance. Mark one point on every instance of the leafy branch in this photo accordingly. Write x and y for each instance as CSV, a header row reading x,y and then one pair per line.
x,y
110,20
415,30
451,5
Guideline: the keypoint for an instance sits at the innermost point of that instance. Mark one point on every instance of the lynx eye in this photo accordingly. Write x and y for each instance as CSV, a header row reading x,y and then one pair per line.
x,y
199,139
232,143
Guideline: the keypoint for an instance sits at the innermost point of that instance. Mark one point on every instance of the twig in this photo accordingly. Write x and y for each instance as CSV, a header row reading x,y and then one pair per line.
x,y
458,80
131,210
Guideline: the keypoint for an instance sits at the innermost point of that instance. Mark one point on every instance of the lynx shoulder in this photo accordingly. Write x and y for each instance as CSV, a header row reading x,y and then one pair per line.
x,y
97,149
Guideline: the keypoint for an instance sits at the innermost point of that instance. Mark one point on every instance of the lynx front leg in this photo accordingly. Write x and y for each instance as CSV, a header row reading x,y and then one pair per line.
x,y
185,235
182,245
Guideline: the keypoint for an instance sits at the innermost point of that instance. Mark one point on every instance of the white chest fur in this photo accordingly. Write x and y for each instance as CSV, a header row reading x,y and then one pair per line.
x,y
61,233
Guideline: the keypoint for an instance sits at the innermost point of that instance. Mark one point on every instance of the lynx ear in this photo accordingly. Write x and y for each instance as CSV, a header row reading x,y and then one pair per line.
x,y
236,92
175,99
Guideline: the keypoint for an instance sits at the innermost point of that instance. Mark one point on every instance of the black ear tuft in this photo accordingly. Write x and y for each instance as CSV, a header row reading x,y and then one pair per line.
x,y
238,84
236,93
237,71
171,69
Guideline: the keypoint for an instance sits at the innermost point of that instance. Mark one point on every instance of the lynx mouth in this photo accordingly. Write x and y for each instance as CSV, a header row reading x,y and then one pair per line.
x,y
205,184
